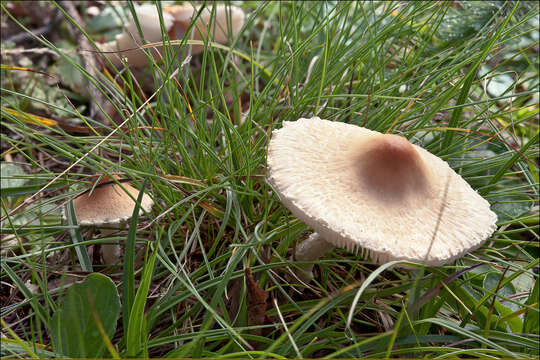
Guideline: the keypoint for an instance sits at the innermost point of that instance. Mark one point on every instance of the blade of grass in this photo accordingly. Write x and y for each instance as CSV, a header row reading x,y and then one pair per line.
x,y
18,340
38,308
137,336
76,238
467,81
364,286
467,334
128,271
495,178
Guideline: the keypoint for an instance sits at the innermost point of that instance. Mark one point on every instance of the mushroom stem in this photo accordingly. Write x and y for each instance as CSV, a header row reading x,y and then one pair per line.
x,y
309,250
110,253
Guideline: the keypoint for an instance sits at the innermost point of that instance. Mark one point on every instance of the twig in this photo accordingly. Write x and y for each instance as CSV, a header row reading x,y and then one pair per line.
x,y
17,38
89,61
36,51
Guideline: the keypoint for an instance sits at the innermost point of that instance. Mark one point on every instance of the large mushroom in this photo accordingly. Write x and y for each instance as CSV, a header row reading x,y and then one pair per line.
x,y
108,204
219,23
377,193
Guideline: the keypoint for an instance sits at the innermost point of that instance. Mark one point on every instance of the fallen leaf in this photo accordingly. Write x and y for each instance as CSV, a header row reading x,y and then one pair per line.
x,y
256,303
43,121
233,297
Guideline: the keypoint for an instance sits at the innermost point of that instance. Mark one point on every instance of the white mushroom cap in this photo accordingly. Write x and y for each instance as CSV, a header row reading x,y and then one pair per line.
x,y
108,203
360,189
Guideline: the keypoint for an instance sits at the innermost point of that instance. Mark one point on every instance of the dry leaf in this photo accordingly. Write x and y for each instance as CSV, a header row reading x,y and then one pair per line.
x,y
256,303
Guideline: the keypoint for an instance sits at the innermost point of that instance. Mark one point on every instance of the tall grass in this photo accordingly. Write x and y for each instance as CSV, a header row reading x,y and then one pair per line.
x,y
419,69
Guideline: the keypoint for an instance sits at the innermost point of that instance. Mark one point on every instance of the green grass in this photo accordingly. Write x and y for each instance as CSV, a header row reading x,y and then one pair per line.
x,y
425,70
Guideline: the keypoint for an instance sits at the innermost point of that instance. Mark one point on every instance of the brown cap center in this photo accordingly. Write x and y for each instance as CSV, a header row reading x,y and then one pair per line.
x,y
389,166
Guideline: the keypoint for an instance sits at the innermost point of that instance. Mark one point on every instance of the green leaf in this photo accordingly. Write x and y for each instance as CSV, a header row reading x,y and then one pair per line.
x,y
108,19
511,207
465,295
86,320
499,85
492,280
509,317
465,19
11,174
70,76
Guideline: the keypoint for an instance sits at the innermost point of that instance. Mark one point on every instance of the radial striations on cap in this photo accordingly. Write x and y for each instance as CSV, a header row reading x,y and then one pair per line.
x,y
380,194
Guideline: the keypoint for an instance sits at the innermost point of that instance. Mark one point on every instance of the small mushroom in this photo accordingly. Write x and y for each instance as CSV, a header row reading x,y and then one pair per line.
x,y
108,204
176,20
227,24
130,38
377,193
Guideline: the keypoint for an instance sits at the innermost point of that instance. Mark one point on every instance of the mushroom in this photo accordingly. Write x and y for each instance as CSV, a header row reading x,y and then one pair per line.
x,y
130,38
176,21
226,25
377,193
108,204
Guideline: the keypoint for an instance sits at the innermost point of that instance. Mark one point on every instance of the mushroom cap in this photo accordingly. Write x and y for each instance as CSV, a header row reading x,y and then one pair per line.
x,y
225,17
363,190
108,203
176,20
130,38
